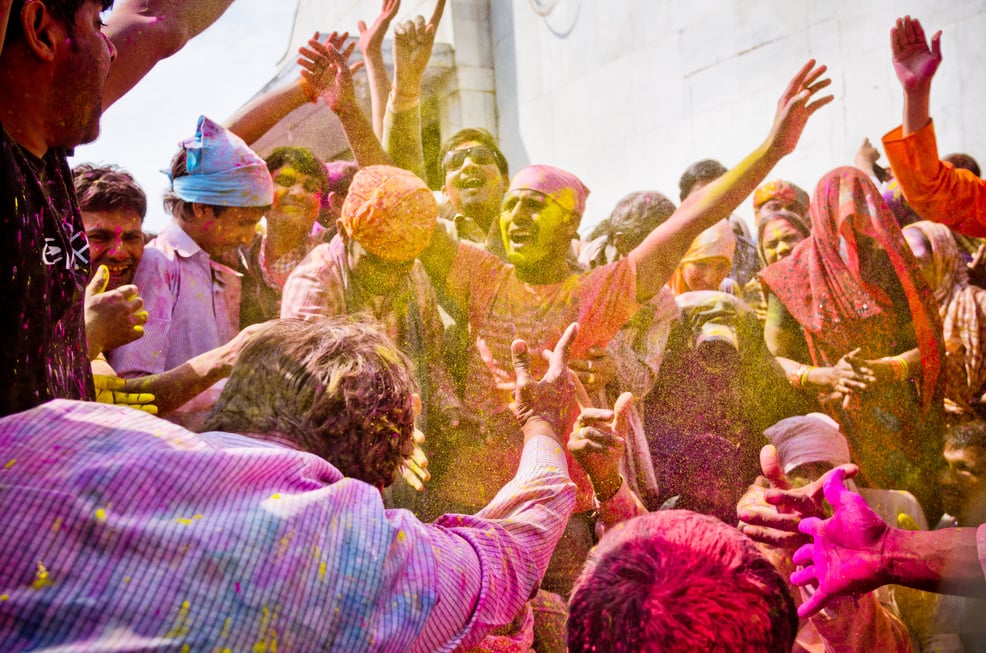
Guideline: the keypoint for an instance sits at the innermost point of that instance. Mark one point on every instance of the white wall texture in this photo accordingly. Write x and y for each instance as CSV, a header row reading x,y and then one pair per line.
x,y
627,93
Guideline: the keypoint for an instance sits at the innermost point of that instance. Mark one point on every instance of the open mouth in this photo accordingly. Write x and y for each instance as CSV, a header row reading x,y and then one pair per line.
x,y
520,237
472,182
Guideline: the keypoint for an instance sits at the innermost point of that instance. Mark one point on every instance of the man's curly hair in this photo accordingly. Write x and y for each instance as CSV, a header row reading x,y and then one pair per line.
x,y
337,388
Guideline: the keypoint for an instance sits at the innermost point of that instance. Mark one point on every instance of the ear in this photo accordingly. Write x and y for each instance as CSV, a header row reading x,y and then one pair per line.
x,y
42,31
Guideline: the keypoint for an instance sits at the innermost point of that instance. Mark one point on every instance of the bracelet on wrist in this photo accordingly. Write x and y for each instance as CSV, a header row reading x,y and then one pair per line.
x,y
799,377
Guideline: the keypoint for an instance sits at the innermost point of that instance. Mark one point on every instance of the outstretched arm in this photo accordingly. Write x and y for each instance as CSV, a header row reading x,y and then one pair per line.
x,y
326,67
371,47
413,43
855,551
659,254
915,62
147,31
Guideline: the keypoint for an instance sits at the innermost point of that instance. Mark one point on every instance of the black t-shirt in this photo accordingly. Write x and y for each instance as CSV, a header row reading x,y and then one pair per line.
x,y
44,267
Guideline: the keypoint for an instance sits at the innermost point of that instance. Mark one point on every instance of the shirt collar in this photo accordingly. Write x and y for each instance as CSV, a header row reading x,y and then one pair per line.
x,y
182,243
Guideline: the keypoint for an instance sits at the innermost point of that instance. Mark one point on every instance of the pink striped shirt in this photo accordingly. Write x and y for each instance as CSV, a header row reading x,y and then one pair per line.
x,y
124,532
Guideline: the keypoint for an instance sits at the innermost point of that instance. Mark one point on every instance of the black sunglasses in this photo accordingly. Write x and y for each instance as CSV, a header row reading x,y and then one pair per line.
x,y
480,155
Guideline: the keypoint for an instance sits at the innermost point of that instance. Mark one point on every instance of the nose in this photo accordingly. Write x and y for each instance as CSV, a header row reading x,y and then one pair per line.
x,y
117,250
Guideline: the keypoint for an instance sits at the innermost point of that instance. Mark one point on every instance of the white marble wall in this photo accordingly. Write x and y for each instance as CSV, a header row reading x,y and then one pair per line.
x,y
627,93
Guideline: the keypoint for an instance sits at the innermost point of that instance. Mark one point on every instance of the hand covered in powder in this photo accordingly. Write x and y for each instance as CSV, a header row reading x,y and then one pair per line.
x,y
845,556
551,400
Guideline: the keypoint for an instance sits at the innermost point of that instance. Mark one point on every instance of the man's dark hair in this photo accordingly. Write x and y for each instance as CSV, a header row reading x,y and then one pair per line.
x,y
301,159
108,188
963,161
702,171
636,215
676,580
174,205
336,388
63,10
967,434
480,136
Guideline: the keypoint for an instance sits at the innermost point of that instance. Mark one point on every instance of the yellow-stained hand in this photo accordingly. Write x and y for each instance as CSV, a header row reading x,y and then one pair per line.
x,y
110,390
325,70
113,317
415,468
413,42
598,441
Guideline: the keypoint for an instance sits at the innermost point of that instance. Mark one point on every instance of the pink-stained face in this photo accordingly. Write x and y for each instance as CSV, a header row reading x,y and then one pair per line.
x,y
116,241
80,73
706,273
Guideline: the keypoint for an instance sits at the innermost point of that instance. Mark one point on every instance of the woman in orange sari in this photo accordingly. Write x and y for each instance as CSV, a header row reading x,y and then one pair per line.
x,y
851,317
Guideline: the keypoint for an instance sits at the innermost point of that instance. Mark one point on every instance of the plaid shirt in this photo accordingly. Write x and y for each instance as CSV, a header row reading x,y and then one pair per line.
x,y
124,532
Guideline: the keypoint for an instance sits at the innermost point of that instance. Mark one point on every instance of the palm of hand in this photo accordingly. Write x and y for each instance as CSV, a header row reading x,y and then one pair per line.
x,y
915,65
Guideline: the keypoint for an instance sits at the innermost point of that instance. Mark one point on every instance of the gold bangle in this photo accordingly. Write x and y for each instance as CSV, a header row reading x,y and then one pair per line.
x,y
804,376
903,369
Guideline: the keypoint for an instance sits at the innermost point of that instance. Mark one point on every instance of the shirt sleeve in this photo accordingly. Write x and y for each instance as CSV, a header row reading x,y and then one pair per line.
x,y
490,564
935,189
307,293
157,282
474,279
607,301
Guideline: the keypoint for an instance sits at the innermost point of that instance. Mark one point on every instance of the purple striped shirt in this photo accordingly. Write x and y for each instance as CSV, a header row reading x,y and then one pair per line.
x,y
124,532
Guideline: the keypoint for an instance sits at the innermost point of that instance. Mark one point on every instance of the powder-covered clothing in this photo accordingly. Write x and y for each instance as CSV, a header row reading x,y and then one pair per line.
x,y
501,308
935,189
127,533
263,280
45,268
192,303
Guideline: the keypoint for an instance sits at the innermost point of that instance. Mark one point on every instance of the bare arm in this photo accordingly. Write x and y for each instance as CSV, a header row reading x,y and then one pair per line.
x,y
260,115
413,43
147,31
371,46
178,385
326,59
915,62
657,257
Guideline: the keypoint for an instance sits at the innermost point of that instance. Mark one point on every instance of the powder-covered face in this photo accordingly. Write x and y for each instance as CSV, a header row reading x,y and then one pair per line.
x,y
375,275
964,484
779,239
219,234
297,197
116,240
474,184
706,273
534,228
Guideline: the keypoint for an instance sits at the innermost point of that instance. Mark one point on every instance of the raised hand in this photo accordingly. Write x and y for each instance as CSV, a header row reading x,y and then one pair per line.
x,y
771,510
113,317
915,61
413,42
597,443
326,71
597,370
371,39
845,554
552,399
796,105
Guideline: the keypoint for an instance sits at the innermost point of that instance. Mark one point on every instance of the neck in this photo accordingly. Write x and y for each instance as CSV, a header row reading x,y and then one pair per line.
x,y
553,269
24,102
283,239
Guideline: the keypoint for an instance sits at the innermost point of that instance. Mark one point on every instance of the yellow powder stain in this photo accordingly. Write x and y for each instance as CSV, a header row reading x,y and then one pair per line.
x,y
226,626
180,628
321,570
10,463
186,648
267,643
126,580
57,524
41,578
401,536
4,597
100,514
186,521
275,496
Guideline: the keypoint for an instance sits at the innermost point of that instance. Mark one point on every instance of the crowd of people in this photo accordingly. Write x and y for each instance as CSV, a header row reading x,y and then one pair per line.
x,y
329,407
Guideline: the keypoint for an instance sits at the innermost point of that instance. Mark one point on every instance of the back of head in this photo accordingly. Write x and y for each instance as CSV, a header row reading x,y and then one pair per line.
x,y
699,173
963,162
336,388
63,10
635,216
478,135
108,188
216,167
674,581
967,434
